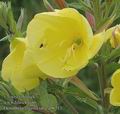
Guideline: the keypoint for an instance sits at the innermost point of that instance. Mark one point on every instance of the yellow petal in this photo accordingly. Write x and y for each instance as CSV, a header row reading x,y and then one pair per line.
x,y
61,66
108,33
85,28
30,68
61,63
115,97
29,78
51,64
115,39
22,84
16,42
116,79
97,43
52,37
22,78
57,27
13,60
78,59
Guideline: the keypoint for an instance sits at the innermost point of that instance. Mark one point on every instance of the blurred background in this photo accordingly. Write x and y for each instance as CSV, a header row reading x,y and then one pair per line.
x,y
31,8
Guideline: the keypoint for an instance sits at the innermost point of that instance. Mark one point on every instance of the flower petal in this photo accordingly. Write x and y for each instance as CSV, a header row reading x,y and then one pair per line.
x,y
13,60
97,43
61,63
29,67
116,79
85,28
51,63
115,97
59,26
51,36
13,70
108,34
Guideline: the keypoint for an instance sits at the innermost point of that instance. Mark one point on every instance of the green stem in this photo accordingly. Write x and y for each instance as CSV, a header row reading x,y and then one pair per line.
x,y
67,103
101,84
101,71
78,83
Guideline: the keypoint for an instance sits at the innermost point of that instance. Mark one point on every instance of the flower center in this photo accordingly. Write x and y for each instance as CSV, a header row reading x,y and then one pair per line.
x,y
71,52
77,41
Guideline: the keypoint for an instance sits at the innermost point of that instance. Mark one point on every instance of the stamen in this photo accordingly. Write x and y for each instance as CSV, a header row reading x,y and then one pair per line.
x,y
71,53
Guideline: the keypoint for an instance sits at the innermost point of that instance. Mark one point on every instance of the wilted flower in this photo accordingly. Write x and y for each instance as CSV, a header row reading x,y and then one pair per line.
x,y
23,74
115,93
62,42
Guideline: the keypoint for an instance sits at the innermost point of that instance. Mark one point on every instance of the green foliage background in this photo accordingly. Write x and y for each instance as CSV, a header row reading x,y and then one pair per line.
x,y
88,75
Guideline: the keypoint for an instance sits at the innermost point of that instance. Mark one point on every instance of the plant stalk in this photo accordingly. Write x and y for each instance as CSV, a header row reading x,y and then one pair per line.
x,y
67,103
101,71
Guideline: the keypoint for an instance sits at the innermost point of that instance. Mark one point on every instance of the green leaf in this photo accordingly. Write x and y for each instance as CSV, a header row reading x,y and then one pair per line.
x,y
112,67
80,84
80,96
88,101
5,38
81,5
21,20
114,54
47,101
3,11
75,5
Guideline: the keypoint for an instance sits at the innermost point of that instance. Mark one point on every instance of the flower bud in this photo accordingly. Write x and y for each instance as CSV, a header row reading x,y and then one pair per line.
x,y
7,20
115,40
3,15
91,20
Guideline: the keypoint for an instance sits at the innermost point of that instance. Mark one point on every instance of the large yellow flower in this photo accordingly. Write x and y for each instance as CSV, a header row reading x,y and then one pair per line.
x,y
62,42
113,34
14,68
115,93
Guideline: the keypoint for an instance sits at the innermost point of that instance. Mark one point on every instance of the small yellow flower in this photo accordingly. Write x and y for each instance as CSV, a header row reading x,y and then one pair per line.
x,y
115,93
114,35
62,42
14,69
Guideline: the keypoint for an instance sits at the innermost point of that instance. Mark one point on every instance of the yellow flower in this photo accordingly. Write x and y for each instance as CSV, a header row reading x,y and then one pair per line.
x,y
115,93
114,35
14,69
62,42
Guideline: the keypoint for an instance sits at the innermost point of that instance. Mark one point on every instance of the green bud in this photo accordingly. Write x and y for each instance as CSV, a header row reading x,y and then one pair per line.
x,y
3,14
10,19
